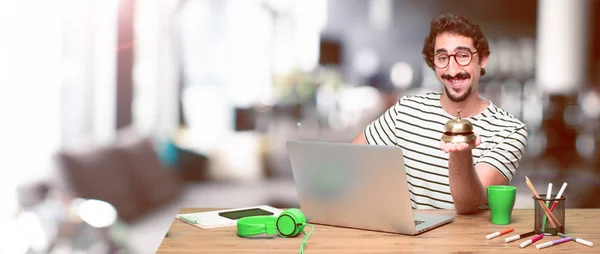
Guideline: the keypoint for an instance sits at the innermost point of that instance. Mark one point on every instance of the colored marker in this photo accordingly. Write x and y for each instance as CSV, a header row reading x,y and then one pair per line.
x,y
499,233
548,196
530,241
553,220
578,240
551,243
560,192
189,219
517,237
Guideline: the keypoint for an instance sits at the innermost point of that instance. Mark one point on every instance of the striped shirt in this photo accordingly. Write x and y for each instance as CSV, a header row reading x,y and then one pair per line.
x,y
416,124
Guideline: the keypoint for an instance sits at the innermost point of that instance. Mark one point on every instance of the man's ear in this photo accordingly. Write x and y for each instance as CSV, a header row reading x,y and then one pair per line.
x,y
483,62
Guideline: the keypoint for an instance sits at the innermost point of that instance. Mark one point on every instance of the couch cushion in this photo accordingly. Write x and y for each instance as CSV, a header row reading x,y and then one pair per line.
x,y
102,174
155,182
127,174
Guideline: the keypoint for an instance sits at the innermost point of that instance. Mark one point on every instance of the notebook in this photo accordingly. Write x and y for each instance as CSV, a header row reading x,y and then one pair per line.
x,y
225,217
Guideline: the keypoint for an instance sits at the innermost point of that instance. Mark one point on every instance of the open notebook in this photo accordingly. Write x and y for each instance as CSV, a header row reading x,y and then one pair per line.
x,y
225,218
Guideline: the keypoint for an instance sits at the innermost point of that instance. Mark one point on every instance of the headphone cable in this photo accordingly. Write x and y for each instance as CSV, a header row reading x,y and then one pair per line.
x,y
305,238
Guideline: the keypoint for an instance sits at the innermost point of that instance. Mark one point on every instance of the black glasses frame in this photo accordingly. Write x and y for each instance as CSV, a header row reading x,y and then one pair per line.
x,y
453,56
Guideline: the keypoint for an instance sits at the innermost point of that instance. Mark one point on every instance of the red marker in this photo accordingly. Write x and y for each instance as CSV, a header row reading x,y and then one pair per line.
x,y
532,240
499,233
560,192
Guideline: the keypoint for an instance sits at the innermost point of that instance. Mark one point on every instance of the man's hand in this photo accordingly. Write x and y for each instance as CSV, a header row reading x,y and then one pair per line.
x,y
451,147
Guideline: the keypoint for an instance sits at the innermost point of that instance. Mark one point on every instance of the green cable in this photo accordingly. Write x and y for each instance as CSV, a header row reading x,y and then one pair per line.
x,y
305,238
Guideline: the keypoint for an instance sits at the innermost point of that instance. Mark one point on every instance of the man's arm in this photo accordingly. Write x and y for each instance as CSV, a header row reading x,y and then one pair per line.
x,y
360,139
381,130
468,187
468,184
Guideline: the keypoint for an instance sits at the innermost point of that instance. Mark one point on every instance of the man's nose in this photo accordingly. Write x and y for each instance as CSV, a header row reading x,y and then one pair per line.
x,y
453,67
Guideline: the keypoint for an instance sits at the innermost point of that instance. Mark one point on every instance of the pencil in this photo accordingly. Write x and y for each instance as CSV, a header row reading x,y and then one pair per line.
x,y
551,218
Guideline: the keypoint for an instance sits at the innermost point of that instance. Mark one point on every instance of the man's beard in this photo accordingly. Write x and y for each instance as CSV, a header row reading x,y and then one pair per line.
x,y
461,75
460,98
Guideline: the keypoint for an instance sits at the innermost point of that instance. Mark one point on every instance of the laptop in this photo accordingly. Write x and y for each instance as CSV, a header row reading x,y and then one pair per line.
x,y
357,186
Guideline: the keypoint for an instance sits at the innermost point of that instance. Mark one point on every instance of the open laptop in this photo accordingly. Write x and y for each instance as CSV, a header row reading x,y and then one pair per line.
x,y
357,186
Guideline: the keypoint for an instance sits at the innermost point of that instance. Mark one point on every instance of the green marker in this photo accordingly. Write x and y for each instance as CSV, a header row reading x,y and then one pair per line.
x,y
189,219
548,196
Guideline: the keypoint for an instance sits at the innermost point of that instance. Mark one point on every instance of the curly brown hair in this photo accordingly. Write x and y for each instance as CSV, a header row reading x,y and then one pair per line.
x,y
450,23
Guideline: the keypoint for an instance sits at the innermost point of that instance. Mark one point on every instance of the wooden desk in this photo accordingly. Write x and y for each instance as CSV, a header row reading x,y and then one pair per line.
x,y
466,235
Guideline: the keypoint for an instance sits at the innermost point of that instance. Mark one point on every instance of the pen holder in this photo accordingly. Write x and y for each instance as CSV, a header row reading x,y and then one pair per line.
x,y
542,223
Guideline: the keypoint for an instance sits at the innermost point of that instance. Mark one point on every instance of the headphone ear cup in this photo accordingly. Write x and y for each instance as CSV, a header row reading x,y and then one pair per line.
x,y
300,218
290,222
256,225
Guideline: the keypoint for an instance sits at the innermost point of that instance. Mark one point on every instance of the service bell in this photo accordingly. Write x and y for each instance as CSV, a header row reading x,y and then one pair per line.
x,y
458,130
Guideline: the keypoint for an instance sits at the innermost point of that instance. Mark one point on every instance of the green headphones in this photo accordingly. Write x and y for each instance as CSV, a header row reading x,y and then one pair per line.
x,y
288,224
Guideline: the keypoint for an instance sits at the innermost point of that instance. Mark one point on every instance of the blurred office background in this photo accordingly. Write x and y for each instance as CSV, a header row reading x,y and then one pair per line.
x,y
116,113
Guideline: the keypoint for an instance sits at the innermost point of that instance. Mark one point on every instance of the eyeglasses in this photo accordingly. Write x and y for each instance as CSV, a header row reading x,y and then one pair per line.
x,y
462,57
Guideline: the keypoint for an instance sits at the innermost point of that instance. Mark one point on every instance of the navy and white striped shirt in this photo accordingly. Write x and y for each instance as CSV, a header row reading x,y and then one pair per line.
x,y
416,124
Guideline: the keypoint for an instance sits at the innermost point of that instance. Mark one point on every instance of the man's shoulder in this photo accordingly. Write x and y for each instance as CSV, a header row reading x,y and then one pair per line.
x,y
500,117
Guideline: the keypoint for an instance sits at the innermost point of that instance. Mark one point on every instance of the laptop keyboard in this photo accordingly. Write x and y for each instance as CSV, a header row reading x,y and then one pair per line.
x,y
417,222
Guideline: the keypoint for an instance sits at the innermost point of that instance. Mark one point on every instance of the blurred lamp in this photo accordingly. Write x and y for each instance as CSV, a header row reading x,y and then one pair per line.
x,y
586,145
527,52
381,14
537,143
401,75
97,213
534,103
590,105
366,62
505,57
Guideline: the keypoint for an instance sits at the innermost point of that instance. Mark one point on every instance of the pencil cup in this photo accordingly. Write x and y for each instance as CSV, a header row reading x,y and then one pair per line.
x,y
501,200
542,223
